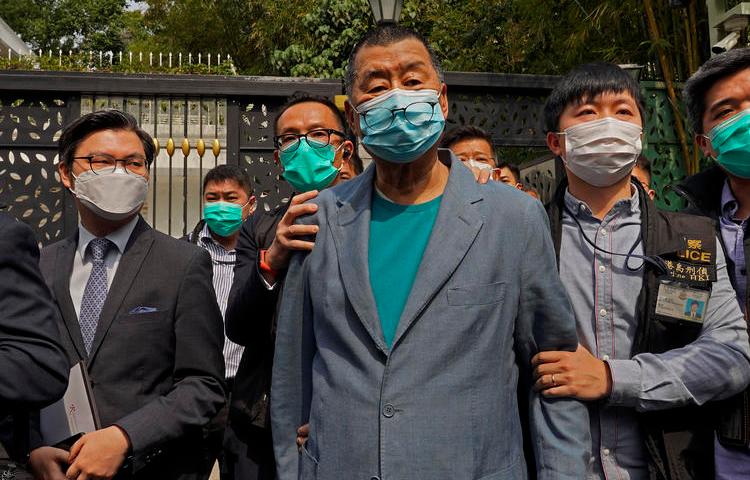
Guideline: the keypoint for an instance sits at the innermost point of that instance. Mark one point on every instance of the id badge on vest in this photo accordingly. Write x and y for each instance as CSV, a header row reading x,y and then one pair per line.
x,y
678,301
684,292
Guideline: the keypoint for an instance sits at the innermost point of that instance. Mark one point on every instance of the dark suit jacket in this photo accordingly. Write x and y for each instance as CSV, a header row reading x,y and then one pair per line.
x,y
33,365
158,375
250,321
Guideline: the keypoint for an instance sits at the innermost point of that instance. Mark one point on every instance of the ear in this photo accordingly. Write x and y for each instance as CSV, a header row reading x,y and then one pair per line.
x,y
252,203
65,175
347,149
444,100
555,143
351,118
705,145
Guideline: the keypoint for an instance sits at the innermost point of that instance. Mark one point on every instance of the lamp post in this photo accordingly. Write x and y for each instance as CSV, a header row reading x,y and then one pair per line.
x,y
386,11
633,69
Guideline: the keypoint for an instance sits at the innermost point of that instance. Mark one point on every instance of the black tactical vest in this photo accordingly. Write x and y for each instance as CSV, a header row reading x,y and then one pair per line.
x,y
679,441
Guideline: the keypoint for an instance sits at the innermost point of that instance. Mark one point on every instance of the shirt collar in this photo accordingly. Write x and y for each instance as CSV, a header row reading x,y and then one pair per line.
x,y
119,237
582,210
206,238
729,205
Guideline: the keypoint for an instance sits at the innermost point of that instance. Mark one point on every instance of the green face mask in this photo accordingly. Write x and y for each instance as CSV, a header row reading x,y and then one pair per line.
x,y
731,141
309,166
223,218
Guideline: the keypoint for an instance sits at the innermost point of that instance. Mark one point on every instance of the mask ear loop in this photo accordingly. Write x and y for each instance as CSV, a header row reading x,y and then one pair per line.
x,y
656,261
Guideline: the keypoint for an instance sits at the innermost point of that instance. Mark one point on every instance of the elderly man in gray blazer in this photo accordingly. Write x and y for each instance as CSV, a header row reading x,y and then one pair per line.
x,y
403,336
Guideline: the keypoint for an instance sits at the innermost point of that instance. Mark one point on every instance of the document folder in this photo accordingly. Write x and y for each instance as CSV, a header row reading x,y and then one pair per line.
x,y
66,420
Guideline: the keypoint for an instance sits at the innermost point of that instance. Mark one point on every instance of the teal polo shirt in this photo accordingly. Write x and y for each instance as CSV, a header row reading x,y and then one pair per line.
x,y
398,239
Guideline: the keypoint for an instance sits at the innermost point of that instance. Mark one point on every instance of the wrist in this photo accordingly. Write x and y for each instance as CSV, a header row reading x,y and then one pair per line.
x,y
607,380
266,263
126,444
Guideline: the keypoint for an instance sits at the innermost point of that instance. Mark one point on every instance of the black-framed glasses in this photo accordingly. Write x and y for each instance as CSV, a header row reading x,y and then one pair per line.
x,y
102,163
316,138
417,113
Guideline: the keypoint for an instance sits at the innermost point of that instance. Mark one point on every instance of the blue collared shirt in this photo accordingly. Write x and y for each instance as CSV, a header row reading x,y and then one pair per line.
x,y
82,262
733,233
603,292
733,463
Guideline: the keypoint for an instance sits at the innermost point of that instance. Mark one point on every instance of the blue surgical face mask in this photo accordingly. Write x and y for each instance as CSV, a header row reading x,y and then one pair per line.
x,y
731,141
401,125
309,166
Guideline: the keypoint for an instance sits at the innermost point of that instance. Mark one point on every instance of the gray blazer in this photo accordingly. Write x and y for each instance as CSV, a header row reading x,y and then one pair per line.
x,y
442,402
156,366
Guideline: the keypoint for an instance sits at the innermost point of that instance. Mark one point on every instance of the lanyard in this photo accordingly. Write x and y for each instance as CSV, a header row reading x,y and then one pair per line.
x,y
654,260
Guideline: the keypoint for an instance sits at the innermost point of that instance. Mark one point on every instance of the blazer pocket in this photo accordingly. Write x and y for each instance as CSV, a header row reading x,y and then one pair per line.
x,y
140,318
486,294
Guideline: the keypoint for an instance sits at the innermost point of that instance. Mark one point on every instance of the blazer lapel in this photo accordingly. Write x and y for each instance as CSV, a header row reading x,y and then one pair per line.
x,y
456,227
351,233
135,253
63,267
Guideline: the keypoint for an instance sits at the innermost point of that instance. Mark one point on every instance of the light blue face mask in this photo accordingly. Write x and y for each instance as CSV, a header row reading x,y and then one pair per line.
x,y
731,141
401,125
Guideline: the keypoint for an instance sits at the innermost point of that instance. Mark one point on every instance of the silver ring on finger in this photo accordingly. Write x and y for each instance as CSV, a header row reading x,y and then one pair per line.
x,y
554,383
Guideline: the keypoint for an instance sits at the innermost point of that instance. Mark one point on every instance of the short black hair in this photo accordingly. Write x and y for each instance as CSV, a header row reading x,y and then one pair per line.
x,y
383,35
466,132
223,173
111,119
644,164
716,68
301,97
586,82
513,169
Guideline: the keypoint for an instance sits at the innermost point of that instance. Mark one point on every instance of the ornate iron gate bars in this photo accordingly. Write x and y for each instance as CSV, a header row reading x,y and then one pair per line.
x,y
200,121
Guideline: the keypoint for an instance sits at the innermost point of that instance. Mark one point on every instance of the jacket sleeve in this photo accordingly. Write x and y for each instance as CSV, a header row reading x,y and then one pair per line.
x,y
251,304
292,368
35,367
713,367
198,390
559,428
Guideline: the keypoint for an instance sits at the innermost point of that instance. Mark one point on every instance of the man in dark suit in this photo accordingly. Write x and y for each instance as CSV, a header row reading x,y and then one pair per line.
x,y
139,308
313,148
33,365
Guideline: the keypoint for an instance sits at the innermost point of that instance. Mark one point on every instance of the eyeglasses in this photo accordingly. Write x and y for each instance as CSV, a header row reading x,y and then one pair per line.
x,y
103,163
380,118
316,138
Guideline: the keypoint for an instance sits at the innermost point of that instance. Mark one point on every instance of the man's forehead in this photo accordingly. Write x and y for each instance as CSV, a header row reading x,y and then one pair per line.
x,y
227,185
732,87
472,145
402,54
604,97
306,115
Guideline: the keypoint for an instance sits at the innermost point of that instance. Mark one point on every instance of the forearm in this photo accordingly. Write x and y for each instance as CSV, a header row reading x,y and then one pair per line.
x,y
714,366
250,309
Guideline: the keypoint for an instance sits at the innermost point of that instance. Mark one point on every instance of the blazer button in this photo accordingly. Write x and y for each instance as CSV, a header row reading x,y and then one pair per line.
x,y
374,478
388,410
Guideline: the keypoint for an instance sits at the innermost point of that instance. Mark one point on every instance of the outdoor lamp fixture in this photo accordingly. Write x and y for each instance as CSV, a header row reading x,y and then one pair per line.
x,y
633,69
386,11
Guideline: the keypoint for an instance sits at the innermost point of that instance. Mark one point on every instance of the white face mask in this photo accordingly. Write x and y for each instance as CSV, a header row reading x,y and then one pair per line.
x,y
114,195
479,165
602,152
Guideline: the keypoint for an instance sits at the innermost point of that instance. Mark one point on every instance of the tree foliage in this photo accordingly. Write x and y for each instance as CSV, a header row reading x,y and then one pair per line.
x,y
67,24
314,37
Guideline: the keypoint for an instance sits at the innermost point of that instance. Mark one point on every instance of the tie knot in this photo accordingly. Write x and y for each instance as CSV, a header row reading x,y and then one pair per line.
x,y
99,248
